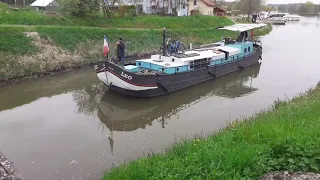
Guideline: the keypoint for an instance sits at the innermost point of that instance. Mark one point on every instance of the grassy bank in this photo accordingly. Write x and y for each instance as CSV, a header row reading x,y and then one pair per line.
x,y
46,49
286,137
30,17
57,48
141,22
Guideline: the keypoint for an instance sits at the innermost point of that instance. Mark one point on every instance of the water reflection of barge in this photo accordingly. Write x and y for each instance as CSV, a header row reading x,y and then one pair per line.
x,y
128,114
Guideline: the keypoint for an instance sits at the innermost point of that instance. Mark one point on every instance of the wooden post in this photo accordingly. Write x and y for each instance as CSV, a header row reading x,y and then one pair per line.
x,y
164,41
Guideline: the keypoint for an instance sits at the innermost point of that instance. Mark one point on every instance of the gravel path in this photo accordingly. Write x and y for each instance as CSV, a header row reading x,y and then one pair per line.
x,y
291,176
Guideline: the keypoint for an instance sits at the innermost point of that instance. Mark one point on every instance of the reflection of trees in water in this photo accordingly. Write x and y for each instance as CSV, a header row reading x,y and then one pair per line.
x,y
88,98
163,121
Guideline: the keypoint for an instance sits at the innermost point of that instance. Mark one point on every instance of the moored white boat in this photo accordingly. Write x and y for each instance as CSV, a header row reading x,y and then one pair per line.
x,y
283,17
263,18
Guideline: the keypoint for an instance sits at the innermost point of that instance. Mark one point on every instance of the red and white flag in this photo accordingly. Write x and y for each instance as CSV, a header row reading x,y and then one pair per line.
x,y
105,46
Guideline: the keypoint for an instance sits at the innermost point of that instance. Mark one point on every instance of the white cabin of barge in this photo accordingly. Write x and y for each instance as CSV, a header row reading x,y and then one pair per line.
x,y
198,58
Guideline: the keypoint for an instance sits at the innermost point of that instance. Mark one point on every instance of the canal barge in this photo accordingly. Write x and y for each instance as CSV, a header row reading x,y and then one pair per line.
x,y
164,73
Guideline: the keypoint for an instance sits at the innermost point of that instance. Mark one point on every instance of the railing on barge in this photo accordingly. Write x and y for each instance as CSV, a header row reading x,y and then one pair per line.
x,y
207,64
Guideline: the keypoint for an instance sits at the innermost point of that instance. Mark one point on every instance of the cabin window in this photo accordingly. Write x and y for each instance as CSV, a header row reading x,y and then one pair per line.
x,y
200,63
245,50
183,6
233,57
191,64
139,64
177,69
195,2
249,49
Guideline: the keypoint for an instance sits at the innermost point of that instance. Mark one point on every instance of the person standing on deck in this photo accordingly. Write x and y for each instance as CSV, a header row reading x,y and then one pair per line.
x,y
120,50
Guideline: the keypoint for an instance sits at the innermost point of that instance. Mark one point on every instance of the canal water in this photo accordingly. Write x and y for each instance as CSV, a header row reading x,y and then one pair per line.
x,y
67,126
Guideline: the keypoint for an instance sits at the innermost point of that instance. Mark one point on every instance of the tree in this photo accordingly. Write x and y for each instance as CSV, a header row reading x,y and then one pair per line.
x,y
267,8
81,8
68,6
234,5
310,7
176,5
250,6
109,8
283,8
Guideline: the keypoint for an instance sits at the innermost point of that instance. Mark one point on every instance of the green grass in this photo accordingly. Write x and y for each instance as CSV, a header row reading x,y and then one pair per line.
x,y
265,30
142,22
286,137
3,6
68,38
12,40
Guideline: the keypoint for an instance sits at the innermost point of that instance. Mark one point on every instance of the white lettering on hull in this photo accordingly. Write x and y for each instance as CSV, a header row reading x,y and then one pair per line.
x,y
126,76
116,81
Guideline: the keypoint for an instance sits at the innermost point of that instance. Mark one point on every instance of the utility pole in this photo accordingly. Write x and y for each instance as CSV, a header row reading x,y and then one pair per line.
x,y
163,7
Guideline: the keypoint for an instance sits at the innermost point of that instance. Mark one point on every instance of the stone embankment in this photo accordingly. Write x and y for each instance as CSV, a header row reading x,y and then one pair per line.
x,y
7,170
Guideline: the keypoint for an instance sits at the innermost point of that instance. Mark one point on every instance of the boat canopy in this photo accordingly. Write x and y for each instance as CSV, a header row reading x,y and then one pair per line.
x,y
243,27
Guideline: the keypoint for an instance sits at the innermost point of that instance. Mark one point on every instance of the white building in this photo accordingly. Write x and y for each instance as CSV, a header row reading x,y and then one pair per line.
x,y
165,7
45,4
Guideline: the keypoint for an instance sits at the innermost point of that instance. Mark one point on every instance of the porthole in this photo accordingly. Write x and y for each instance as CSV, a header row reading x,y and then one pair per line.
x,y
177,69
172,60
139,64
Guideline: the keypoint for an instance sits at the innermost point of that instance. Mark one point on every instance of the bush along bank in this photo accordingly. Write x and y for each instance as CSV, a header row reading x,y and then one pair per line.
x,y
284,138
33,51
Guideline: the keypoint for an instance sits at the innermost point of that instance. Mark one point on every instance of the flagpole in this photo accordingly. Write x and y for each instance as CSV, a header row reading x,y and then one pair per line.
x,y
107,55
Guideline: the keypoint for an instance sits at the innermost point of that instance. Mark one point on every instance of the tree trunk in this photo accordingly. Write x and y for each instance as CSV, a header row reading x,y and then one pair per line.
x,y
104,10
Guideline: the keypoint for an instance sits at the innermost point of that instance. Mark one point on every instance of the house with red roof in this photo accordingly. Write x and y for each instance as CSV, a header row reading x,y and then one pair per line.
x,y
205,7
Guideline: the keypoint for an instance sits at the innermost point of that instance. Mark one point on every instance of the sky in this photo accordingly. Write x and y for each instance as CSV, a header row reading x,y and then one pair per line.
x,y
288,1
